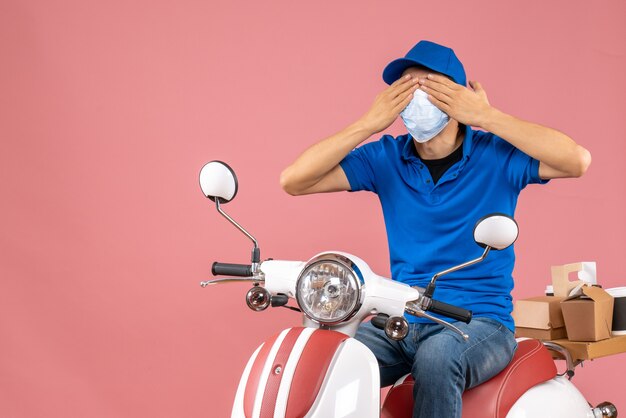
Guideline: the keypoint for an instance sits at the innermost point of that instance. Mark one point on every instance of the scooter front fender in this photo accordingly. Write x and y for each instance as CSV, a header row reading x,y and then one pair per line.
x,y
307,372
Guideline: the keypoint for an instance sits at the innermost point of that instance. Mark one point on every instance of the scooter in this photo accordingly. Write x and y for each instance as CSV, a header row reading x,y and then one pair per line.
x,y
320,370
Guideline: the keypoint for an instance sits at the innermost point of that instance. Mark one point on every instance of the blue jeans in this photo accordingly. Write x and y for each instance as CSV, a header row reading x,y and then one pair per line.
x,y
441,362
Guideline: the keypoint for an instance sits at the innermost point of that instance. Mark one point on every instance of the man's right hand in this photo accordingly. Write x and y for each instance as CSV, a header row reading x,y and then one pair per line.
x,y
389,103
317,170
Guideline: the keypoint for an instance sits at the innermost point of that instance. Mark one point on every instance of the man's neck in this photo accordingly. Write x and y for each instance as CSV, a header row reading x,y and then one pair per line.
x,y
443,144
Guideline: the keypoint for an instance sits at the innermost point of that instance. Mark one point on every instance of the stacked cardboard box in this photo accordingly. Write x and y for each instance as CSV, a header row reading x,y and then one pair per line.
x,y
539,317
577,311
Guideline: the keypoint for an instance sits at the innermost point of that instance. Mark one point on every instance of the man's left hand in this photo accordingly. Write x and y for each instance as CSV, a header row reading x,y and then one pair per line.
x,y
470,107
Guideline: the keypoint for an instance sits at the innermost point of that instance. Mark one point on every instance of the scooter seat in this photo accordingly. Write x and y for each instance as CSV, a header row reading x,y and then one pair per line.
x,y
532,364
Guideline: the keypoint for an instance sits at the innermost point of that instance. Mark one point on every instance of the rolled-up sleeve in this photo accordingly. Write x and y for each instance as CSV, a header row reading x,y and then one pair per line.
x,y
519,168
360,167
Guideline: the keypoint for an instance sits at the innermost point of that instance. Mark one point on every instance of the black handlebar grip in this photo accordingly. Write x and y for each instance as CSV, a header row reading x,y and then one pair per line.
x,y
226,269
380,320
450,311
279,299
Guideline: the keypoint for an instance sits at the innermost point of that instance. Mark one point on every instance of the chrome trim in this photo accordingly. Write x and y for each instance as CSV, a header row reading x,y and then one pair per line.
x,y
254,291
232,221
570,364
255,265
606,410
342,259
345,262
404,331
461,266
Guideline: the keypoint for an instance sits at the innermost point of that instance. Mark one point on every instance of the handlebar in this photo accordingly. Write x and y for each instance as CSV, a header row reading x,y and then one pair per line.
x,y
450,311
227,269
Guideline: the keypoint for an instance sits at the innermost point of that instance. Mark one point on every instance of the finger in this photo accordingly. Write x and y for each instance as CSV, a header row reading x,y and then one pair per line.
x,y
478,88
434,86
395,91
401,97
441,105
443,80
401,80
400,85
402,104
442,97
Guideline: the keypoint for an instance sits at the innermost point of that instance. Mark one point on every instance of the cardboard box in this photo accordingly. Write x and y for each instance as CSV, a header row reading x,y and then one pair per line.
x,y
541,334
589,315
593,350
541,312
585,273
539,317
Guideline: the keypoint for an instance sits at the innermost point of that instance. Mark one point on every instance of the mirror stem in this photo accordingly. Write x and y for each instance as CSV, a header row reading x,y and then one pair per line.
x,y
256,254
430,289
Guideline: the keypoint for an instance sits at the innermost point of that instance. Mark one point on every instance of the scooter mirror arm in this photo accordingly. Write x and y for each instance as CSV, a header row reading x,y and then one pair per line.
x,y
563,352
254,280
414,309
430,289
256,253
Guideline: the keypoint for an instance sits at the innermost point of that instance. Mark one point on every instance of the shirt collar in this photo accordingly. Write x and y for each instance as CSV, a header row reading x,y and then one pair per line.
x,y
468,141
409,153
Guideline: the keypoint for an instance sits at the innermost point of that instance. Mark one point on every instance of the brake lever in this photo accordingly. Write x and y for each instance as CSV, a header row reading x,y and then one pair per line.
x,y
255,280
414,309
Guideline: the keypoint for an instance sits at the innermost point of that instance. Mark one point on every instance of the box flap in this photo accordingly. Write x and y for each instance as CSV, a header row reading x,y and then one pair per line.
x,y
588,314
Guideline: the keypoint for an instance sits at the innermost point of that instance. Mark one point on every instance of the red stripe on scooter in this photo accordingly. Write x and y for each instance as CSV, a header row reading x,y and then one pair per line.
x,y
311,370
255,376
273,380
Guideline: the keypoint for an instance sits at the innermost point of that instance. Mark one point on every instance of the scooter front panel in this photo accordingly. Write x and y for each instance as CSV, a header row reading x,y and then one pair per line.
x,y
276,371
286,373
289,371
351,387
311,370
255,385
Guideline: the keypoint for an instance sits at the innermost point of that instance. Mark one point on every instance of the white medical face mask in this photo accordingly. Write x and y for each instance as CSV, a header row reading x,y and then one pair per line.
x,y
422,118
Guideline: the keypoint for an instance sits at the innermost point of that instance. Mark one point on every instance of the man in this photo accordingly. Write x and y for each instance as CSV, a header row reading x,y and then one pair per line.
x,y
434,183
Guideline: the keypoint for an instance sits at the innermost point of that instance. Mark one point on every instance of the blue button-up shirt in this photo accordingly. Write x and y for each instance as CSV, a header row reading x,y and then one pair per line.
x,y
430,226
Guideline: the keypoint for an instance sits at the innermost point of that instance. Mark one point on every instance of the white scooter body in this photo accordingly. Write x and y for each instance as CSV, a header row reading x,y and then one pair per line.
x,y
349,388
556,398
350,384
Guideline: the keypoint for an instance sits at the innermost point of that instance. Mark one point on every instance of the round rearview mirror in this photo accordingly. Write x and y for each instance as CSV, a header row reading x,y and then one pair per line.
x,y
496,230
218,180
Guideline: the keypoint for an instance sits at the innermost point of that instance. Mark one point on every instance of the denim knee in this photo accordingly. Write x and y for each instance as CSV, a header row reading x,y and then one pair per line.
x,y
438,362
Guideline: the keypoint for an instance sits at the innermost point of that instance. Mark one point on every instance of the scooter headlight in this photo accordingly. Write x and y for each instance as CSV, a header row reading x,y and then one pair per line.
x,y
329,289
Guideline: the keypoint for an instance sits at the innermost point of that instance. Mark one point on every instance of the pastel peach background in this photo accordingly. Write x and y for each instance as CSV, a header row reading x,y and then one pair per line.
x,y
108,109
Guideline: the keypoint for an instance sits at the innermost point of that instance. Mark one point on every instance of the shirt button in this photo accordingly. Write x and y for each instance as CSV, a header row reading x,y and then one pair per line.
x,y
427,181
